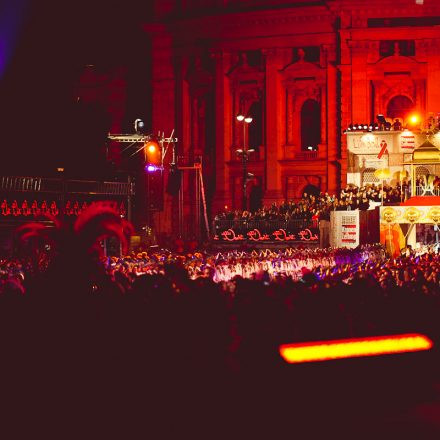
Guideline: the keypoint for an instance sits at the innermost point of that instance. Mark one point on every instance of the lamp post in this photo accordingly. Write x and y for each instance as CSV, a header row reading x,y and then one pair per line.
x,y
244,153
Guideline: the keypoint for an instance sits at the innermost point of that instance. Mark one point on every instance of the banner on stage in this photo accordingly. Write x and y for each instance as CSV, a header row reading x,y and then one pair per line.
x,y
344,227
278,235
410,214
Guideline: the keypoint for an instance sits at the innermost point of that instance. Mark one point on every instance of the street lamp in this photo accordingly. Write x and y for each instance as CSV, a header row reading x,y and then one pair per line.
x,y
244,153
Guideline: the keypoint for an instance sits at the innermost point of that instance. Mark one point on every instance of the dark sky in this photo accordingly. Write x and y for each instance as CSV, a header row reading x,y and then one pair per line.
x,y
44,48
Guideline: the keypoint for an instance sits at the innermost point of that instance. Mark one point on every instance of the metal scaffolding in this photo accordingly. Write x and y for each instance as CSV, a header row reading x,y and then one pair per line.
x,y
200,199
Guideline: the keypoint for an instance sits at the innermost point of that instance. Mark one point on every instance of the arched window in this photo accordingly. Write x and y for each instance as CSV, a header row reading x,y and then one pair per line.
x,y
422,171
256,127
311,190
310,125
399,107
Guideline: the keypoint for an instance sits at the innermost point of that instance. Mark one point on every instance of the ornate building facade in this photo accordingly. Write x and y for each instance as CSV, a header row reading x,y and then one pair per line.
x,y
304,71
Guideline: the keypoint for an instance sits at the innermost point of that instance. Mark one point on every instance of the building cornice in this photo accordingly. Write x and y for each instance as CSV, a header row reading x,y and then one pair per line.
x,y
259,23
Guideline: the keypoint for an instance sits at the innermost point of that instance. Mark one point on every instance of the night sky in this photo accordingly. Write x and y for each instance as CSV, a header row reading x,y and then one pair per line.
x,y
44,48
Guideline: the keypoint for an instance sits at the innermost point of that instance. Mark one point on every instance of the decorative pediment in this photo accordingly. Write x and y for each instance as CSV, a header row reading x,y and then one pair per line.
x,y
242,71
398,60
301,67
302,72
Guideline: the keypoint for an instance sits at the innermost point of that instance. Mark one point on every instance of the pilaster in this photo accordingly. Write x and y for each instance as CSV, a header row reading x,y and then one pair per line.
x,y
223,128
274,101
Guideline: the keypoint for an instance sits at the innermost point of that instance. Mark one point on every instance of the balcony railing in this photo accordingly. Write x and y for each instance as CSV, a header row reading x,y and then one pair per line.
x,y
423,191
306,155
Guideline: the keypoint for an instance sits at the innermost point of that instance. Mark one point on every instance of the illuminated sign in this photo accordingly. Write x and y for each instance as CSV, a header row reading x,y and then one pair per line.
x,y
43,208
255,235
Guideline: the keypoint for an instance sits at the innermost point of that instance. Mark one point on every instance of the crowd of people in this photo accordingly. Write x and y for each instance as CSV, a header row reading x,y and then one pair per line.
x,y
170,343
220,266
318,207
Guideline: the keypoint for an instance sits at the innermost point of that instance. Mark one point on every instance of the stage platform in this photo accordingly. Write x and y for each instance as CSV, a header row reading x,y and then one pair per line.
x,y
422,201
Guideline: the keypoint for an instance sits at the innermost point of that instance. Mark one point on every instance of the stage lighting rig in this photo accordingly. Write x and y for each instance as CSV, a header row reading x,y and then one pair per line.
x,y
153,145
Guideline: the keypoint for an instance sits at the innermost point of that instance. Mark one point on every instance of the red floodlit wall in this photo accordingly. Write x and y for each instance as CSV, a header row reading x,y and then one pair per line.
x,y
304,73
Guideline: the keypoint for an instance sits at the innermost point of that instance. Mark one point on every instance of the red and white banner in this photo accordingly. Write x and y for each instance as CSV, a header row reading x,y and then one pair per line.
x,y
348,234
407,141
344,229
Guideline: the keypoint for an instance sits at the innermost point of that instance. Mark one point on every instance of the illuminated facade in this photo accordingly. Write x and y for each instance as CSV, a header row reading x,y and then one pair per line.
x,y
304,71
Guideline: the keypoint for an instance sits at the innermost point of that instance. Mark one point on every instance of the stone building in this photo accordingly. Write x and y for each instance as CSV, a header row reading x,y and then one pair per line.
x,y
303,70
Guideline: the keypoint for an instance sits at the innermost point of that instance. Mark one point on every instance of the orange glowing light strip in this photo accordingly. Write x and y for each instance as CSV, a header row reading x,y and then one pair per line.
x,y
348,348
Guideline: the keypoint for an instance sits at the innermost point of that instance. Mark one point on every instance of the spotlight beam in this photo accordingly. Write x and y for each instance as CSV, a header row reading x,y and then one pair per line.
x,y
137,151
127,147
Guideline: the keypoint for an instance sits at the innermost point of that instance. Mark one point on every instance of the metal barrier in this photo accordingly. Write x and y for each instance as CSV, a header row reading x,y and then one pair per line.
x,y
49,185
265,226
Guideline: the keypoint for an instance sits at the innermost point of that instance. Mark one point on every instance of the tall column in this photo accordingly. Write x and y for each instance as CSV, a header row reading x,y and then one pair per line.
x,y
360,85
163,87
344,83
223,126
182,131
274,101
323,100
433,85
333,129
290,111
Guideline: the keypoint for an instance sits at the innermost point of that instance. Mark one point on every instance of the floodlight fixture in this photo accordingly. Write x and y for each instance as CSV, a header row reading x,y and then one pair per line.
x,y
414,119
150,168
381,118
139,126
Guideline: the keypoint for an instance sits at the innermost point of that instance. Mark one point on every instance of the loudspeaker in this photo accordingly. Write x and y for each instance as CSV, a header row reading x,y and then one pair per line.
x,y
174,182
155,190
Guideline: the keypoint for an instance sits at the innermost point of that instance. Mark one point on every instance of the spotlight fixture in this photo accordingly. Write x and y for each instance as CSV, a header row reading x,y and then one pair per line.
x,y
365,127
153,154
359,127
151,168
381,118
151,147
240,117
139,126
414,119
248,119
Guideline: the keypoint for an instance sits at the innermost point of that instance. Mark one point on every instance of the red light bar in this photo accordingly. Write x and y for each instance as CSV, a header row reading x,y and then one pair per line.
x,y
348,348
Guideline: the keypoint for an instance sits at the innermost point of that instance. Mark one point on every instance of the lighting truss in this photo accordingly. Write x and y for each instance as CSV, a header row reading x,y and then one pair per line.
x,y
133,139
